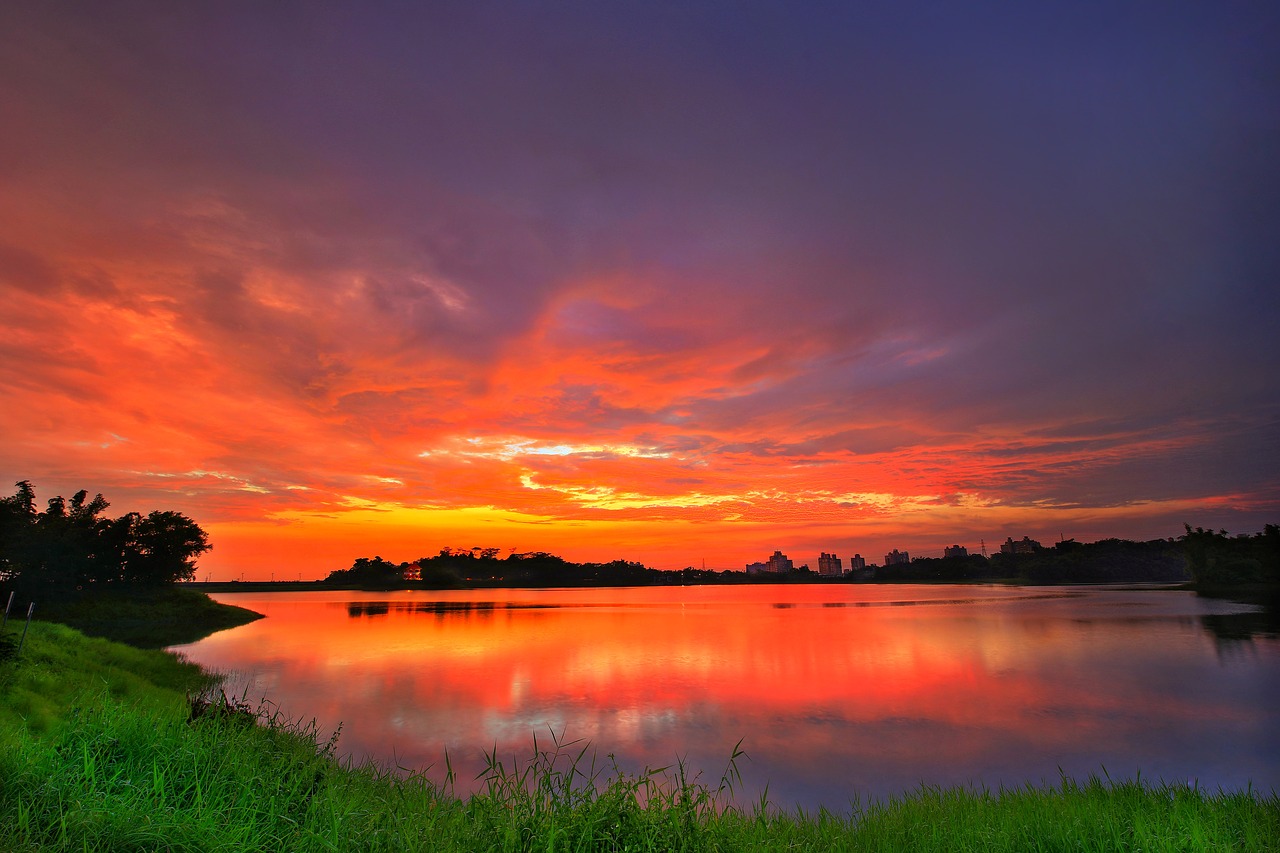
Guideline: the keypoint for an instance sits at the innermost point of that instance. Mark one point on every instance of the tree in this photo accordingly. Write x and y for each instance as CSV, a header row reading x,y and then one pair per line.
x,y
67,540
71,546
164,549
17,523
1220,560
366,572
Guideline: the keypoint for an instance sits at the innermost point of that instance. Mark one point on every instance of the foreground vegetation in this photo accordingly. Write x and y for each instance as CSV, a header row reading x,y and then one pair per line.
x,y
102,748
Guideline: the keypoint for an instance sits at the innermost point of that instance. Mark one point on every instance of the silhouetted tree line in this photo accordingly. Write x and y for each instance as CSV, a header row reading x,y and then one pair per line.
x,y
71,545
483,567
1211,559
1104,561
372,573
1220,559
945,569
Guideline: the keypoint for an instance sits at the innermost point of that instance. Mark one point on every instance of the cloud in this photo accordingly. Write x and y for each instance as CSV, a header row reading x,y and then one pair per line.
x,y
819,276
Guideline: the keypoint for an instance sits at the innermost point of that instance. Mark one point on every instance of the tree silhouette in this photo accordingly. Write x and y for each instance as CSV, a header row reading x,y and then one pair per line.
x,y
71,546
164,548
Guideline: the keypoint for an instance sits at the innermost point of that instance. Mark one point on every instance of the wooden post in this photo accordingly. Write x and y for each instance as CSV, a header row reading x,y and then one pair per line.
x,y
30,608
6,611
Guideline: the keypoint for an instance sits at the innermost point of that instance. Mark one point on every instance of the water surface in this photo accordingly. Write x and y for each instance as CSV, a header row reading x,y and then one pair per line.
x,y
835,692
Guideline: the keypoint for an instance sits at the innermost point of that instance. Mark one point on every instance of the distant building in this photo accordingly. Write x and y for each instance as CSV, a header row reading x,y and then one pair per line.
x,y
780,563
857,563
897,558
955,551
829,564
1026,545
757,568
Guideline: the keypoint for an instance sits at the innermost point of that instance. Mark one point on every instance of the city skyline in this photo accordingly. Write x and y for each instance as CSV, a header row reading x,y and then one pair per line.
x,y
634,282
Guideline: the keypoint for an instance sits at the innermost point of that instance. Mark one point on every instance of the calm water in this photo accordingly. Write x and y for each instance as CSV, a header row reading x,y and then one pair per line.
x,y
835,691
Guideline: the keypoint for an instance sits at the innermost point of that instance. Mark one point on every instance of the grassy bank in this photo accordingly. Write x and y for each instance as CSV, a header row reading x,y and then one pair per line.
x,y
98,751
148,618
61,671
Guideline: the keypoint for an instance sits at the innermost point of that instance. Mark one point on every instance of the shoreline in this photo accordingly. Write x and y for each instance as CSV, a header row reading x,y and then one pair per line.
x,y
320,585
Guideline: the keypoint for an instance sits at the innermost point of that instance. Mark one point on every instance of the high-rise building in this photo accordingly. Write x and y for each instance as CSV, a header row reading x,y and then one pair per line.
x,y
857,563
1026,545
897,558
780,563
955,551
829,564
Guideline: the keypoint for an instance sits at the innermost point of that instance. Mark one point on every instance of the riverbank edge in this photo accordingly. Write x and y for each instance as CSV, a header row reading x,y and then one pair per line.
x,y
146,618
114,741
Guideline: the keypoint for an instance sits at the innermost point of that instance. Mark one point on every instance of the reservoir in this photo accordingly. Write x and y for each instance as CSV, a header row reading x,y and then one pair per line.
x,y
835,693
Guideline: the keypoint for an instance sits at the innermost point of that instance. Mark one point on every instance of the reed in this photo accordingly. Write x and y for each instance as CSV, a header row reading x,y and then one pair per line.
x,y
130,764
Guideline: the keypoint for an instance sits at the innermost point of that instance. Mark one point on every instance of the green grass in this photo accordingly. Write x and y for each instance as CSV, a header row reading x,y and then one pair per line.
x,y
60,669
98,752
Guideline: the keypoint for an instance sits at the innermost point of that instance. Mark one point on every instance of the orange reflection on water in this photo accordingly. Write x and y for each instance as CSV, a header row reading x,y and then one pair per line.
x,y
834,690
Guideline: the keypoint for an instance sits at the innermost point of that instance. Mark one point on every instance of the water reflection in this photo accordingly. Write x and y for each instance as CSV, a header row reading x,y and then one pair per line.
x,y
358,609
1263,622
835,691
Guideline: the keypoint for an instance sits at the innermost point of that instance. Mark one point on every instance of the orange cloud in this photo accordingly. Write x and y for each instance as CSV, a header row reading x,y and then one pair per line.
x,y
660,320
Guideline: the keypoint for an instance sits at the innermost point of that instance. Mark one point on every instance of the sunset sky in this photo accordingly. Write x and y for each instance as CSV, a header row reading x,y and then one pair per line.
x,y
668,282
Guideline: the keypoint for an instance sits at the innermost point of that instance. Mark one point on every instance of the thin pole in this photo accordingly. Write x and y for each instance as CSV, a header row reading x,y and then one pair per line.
x,y
31,607
5,621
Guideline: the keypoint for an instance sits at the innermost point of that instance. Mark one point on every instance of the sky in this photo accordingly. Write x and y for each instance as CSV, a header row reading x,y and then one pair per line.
x,y
680,283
